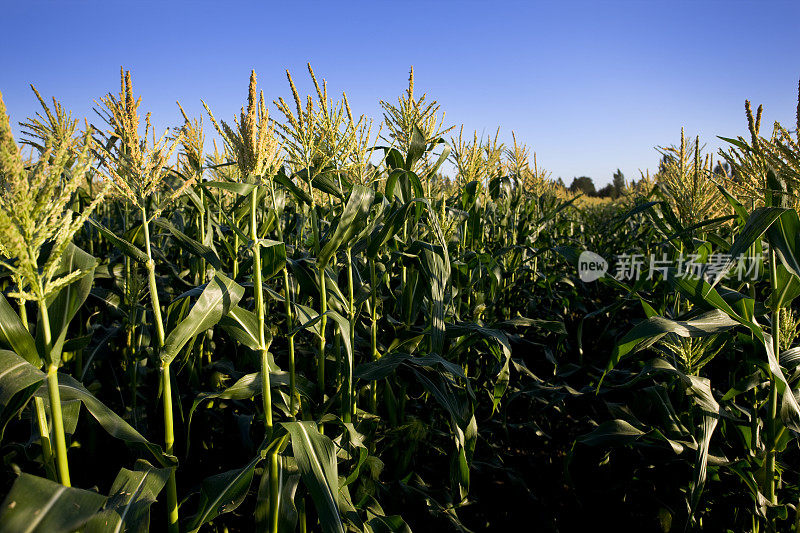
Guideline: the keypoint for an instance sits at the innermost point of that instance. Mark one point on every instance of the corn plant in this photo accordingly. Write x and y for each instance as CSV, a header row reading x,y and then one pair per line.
x,y
327,333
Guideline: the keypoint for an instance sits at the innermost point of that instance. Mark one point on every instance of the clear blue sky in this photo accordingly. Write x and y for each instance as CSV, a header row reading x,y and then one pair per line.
x,y
590,86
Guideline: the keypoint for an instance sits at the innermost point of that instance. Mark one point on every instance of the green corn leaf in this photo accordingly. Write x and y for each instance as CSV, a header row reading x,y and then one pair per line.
x,y
19,381
788,288
242,325
230,219
70,411
701,462
640,207
649,332
569,253
381,368
416,148
287,510
124,246
64,304
223,493
353,218
498,345
388,524
784,237
38,505
189,193
470,194
739,143
383,234
310,323
78,343
436,267
242,189
444,391
552,326
14,334
391,184
744,385
273,257
460,460
245,388
612,432
441,159
702,294
741,212
328,182
404,187
500,187
316,460
757,224
128,506
70,389
300,194
189,244
394,159
216,300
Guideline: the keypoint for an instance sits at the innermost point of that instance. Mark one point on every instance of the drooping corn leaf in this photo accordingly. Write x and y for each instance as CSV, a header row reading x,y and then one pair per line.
x,y
783,237
14,334
189,244
71,389
498,345
245,388
38,505
289,479
316,460
648,332
222,493
701,462
70,412
388,524
300,194
126,247
216,300
19,381
128,506
242,325
353,218
329,182
64,304
242,189
310,323
273,258
612,432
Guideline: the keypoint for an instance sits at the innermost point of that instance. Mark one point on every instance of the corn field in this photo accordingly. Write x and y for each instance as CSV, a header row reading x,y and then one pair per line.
x,y
306,325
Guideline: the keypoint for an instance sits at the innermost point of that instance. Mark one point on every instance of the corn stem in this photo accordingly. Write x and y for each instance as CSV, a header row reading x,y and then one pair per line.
x,y
287,299
348,407
373,281
166,385
773,389
266,389
62,464
41,415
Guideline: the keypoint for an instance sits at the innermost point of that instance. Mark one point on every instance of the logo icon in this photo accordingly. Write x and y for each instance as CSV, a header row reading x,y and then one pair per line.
x,y
591,266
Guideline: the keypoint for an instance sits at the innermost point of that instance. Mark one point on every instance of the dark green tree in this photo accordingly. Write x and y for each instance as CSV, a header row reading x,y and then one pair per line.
x,y
618,183
584,185
608,192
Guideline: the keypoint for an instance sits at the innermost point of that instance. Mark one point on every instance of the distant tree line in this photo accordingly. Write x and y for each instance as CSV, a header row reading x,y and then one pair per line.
x,y
585,185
